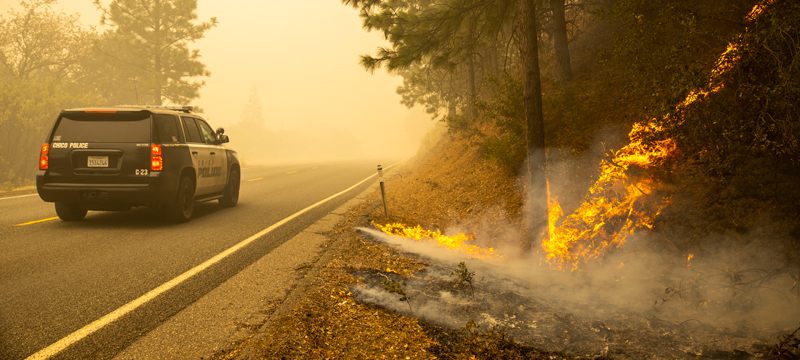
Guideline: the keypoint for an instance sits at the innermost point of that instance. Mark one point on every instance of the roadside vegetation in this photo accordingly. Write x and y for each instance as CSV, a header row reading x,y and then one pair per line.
x,y
716,91
49,62
731,219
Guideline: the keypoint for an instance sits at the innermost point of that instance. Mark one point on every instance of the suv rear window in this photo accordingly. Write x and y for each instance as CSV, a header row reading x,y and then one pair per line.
x,y
103,128
166,129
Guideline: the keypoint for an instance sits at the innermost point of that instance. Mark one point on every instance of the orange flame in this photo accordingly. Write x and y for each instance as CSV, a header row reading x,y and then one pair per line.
x,y
612,211
458,242
614,208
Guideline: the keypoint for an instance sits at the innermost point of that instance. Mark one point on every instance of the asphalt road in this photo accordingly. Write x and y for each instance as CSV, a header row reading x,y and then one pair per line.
x,y
56,277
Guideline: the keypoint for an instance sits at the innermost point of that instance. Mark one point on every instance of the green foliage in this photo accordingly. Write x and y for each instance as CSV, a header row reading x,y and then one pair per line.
x,y
397,287
463,277
663,48
41,53
441,33
740,147
755,115
505,112
150,41
38,40
48,63
738,160
429,87
446,51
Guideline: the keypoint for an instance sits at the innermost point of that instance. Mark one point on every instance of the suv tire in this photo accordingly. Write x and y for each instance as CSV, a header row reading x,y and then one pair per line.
x,y
230,197
182,206
70,211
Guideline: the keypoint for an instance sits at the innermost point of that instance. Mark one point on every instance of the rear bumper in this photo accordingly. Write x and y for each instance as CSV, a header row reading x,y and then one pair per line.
x,y
107,196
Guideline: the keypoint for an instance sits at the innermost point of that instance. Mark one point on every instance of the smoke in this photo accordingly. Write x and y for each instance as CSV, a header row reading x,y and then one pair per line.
x,y
635,300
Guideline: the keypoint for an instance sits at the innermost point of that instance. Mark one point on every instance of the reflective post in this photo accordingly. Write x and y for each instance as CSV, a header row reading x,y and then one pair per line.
x,y
383,191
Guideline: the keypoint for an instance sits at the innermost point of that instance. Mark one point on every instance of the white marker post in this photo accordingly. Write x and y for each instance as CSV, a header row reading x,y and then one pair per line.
x,y
383,191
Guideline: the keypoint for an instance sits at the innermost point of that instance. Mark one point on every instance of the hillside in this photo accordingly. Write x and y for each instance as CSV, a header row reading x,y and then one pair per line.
x,y
675,172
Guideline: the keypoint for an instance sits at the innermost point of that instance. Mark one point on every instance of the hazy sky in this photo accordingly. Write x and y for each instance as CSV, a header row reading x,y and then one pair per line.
x,y
303,57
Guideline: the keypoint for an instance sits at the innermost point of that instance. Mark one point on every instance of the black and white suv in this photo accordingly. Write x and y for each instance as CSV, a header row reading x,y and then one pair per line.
x,y
116,158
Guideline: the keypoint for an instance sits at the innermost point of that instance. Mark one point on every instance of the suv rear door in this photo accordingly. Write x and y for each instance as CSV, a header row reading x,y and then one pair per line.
x,y
100,147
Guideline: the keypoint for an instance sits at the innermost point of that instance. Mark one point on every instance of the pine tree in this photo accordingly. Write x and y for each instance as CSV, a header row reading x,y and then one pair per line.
x,y
450,34
534,118
150,39
558,30
252,116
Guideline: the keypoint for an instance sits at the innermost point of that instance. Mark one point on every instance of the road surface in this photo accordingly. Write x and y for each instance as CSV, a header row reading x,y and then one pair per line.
x,y
56,277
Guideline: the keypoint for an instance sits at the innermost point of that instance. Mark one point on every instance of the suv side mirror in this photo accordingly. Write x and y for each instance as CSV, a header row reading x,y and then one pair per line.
x,y
220,131
222,139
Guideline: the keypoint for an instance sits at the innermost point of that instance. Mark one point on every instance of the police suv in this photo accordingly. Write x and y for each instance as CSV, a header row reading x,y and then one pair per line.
x,y
117,158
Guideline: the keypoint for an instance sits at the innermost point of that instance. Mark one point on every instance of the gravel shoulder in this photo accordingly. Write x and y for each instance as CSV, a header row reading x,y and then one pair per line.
x,y
229,317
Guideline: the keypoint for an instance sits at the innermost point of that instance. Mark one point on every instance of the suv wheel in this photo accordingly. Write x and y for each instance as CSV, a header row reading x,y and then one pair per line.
x,y
230,197
182,208
70,211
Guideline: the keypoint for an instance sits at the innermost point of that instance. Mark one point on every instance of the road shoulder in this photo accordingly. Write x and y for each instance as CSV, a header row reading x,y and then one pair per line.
x,y
234,311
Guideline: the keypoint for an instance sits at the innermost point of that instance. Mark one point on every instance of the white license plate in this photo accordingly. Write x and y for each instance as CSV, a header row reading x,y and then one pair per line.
x,y
97,161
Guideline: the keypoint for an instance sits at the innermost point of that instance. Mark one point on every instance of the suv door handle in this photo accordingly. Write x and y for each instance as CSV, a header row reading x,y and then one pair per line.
x,y
194,153
213,153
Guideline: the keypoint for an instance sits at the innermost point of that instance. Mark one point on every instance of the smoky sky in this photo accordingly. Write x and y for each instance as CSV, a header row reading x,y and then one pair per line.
x,y
302,56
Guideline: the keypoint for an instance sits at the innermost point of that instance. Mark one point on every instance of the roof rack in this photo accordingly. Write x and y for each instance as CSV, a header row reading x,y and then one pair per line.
x,y
181,108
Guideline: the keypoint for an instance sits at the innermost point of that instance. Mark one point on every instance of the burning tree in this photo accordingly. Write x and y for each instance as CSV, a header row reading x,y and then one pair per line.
x,y
625,198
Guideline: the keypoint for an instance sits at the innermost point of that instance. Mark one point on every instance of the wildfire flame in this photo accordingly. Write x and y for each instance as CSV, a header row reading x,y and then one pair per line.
x,y
614,209
458,242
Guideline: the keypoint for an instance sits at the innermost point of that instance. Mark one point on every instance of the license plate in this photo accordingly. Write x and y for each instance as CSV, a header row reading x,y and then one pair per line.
x,y
97,161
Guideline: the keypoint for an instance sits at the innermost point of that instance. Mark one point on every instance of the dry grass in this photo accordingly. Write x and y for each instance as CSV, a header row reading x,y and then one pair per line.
x,y
453,185
321,319
447,186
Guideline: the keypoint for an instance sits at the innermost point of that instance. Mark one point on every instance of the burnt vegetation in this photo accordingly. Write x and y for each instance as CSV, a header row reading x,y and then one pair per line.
x,y
736,157
716,81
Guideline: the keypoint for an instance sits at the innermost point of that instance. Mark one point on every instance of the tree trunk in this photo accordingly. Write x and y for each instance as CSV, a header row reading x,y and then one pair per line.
x,y
473,72
560,45
473,89
537,193
452,102
157,76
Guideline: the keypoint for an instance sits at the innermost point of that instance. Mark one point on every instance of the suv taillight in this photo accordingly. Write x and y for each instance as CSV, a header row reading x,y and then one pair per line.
x,y
156,158
44,157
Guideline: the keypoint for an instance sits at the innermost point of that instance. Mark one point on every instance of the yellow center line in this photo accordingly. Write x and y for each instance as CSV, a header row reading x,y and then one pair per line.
x,y
34,222
256,179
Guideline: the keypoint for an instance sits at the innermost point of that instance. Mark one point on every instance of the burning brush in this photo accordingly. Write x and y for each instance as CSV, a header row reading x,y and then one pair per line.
x,y
622,201
459,242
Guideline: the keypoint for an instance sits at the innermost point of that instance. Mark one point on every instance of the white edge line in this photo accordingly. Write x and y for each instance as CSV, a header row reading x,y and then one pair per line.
x,y
115,315
18,196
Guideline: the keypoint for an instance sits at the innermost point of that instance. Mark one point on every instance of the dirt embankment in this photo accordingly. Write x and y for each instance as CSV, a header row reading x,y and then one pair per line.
x,y
451,185
364,299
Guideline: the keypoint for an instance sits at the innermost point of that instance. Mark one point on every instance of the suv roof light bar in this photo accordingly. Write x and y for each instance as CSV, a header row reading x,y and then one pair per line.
x,y
181,108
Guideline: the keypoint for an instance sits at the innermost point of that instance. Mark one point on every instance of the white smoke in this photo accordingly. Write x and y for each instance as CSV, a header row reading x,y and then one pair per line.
x,y
633,299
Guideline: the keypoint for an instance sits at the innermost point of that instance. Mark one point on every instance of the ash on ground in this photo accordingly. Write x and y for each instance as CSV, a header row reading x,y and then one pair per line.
x,y
667,317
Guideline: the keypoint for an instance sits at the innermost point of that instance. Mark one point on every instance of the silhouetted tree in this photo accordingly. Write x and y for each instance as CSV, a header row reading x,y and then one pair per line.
x,y
449,35
534,118
558,30
41,70
152,38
